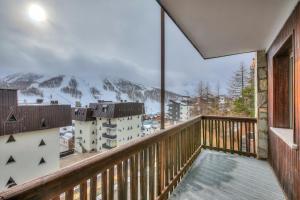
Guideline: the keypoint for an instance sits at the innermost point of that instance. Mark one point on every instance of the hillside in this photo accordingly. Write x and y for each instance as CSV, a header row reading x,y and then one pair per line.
x,y
71,89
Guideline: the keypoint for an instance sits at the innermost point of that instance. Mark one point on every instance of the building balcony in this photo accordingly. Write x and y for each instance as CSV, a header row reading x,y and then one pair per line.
x,y
112,137
192,148
106,146
108,125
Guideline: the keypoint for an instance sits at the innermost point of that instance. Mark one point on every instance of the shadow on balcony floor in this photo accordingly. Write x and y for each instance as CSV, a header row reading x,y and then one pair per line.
x,y
223,176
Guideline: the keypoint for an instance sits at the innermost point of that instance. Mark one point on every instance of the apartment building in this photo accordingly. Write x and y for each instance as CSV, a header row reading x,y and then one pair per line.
x,y
179,110
105,125
29,138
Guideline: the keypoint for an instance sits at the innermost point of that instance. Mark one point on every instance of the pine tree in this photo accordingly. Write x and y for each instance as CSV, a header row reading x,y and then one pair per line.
x,y
238,82
242,91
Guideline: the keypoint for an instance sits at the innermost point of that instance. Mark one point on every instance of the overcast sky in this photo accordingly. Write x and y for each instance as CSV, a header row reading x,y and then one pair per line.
x,y
99,38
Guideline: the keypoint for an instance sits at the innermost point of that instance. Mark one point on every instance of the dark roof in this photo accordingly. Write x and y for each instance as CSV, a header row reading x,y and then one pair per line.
x,y
108,110
82,114
8,97
25,118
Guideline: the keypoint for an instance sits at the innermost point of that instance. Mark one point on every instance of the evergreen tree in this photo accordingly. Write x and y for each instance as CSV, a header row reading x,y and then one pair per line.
x,y
242,91
238,82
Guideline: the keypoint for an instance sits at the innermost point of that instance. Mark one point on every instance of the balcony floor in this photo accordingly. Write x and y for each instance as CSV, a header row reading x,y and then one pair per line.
x,y
216,175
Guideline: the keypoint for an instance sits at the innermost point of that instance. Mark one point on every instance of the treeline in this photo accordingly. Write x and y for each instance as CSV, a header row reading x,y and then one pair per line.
x,y
239,100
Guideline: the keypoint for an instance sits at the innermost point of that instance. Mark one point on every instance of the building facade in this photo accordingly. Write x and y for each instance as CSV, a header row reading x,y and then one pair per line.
x,y
179,110
106,125
29,139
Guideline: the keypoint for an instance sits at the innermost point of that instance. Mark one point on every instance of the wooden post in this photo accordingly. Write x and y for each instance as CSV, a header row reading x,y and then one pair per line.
x,y
162,65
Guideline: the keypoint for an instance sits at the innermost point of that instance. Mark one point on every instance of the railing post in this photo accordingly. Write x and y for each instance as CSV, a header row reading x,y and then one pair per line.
x,y
162,65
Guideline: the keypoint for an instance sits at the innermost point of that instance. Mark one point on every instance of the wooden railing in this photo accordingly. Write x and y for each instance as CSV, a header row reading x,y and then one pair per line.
x,y
229,134
147,168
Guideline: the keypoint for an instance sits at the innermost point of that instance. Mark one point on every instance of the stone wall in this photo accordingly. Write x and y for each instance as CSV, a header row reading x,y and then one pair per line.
x,y
262,104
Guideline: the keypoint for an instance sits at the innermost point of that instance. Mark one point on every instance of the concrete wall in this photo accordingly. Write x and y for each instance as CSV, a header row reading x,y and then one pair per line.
x,y
262,104
84,137
27,155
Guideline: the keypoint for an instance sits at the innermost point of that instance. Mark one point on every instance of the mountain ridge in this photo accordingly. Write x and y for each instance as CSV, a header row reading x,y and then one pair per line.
x,y
69,89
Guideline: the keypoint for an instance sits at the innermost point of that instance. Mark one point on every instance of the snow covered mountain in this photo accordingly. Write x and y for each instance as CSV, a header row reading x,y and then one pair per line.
x,y
71,89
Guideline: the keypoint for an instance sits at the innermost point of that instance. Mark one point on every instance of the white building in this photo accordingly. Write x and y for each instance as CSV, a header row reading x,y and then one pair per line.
x,y
105,125
185,111
179,110
29,139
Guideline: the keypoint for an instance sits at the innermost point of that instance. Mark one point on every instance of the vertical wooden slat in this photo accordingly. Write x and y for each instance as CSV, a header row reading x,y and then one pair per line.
x,y
125,179
166,151
143,174
247,138
111,177
133,177
120,180
158,168
151,172
70,194
83,191
93,188
254,145
104,185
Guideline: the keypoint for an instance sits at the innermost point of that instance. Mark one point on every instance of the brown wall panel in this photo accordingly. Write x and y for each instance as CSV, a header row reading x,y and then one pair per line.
x,y
284,160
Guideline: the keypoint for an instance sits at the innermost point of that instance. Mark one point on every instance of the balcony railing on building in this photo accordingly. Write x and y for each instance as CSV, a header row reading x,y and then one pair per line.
x,y
109,125
109,136
108,145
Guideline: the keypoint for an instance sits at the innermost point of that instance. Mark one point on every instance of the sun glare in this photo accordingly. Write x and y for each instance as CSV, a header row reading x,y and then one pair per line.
x,y
37,13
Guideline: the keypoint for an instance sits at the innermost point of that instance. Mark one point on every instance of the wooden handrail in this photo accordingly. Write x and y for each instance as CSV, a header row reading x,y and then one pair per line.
x,y
229,118
58,182
229,134
171,151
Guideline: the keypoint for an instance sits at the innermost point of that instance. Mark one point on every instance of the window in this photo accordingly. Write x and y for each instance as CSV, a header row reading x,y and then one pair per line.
x,y
10,160
11,182
42,143
283,86
43,123
12,118
80,131
11,139
42,161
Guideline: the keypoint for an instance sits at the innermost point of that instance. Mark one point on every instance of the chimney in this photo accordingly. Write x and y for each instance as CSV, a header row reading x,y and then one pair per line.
x,y
54,102
39,101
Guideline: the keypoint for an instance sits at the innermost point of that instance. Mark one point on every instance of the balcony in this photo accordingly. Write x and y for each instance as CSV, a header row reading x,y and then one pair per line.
x,y
112,137
156,163
106,146
108,125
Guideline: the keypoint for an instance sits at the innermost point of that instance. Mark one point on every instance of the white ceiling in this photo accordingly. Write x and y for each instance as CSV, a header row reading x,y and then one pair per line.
x,y
225,27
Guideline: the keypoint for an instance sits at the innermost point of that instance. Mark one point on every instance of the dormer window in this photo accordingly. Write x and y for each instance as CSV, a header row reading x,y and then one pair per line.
x,y
12,118
43,123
